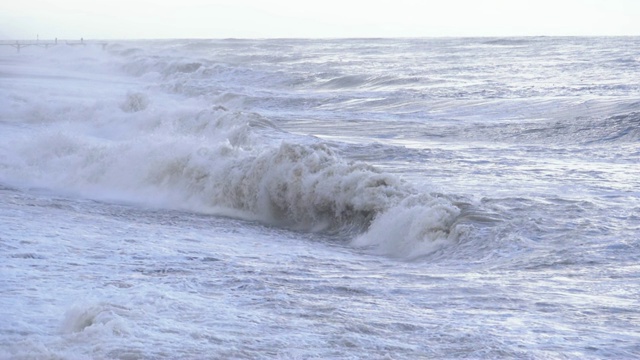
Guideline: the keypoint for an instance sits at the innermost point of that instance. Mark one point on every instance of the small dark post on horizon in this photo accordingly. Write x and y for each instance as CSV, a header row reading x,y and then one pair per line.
x,y
18,45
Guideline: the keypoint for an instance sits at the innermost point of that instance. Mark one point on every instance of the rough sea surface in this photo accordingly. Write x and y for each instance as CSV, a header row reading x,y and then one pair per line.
x,y
327,199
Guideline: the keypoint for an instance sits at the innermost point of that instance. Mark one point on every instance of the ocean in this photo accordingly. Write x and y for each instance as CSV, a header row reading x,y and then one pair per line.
x,y
438,198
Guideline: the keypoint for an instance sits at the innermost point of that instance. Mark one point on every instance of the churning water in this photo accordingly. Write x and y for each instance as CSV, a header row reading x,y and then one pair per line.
x,y
354,198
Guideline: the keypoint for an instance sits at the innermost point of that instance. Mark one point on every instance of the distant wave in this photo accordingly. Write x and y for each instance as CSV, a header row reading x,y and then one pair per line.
x,y
623,128
367,82
509,41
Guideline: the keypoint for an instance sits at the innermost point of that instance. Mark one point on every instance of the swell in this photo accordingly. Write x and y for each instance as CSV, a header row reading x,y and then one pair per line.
x,y
622,128
350,82
566,129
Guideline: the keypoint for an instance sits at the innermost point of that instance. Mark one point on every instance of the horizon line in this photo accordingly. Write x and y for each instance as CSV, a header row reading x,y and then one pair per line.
x,y
315,37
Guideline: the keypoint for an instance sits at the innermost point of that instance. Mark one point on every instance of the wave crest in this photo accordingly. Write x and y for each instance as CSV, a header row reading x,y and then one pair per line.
x,y
310,187
418,225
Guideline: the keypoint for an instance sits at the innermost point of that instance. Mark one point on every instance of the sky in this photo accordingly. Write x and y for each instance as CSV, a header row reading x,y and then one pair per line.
x,y
157,19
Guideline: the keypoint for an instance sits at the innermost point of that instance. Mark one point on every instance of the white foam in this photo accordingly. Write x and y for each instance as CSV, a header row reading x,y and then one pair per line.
x,y
126,140
417,226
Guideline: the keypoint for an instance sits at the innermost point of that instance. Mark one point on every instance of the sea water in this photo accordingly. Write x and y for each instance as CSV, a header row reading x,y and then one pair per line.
x,y
349,198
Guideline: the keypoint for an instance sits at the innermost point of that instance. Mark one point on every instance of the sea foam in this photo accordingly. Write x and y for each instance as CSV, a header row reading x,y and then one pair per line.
x,y
130,141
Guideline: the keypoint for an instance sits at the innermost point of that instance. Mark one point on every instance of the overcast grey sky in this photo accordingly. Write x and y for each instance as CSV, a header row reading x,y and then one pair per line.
x,y
137,19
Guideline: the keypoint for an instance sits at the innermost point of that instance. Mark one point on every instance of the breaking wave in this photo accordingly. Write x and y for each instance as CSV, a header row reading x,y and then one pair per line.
x,y
147,148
